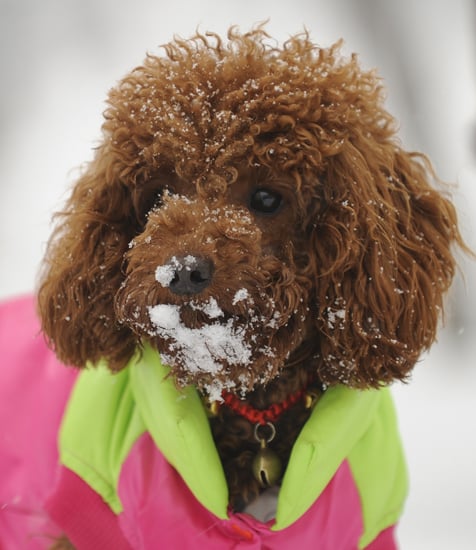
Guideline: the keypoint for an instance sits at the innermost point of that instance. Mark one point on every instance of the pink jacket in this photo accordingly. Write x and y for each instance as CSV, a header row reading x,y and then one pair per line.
x,y
150,504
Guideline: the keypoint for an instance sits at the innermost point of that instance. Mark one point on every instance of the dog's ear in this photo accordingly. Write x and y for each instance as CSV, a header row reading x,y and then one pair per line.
x,y
82,268
383,261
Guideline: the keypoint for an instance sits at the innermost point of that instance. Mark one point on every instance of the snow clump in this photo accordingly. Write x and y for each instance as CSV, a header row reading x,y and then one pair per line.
x,y
201,350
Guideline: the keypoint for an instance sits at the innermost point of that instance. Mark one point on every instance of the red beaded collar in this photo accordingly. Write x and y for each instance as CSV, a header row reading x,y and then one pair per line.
x,y
258,416
309,393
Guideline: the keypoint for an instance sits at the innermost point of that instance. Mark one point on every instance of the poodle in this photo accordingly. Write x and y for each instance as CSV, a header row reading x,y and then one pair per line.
x,y
248,262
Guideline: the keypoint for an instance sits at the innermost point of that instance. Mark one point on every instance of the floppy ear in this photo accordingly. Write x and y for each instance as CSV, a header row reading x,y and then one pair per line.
x,y
383,263
82,269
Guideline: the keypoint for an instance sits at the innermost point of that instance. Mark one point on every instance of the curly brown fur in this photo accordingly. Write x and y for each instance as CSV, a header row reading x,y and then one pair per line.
x,y
352,268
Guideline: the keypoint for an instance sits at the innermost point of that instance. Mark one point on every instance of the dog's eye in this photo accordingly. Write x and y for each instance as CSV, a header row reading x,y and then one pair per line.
x,y
265,201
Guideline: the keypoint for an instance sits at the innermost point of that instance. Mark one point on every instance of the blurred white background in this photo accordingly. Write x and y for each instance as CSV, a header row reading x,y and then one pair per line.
x,y
58,58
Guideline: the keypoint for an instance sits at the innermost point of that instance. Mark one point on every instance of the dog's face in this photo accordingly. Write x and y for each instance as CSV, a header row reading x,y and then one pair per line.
x,y
250,209
217,280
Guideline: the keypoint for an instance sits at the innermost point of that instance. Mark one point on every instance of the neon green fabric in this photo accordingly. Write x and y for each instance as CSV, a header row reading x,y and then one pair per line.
x,y
360,426
100,425
114,410
379,470
179,426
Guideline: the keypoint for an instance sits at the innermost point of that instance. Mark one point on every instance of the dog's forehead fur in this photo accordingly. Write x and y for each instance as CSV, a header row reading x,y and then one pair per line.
x,y
207,106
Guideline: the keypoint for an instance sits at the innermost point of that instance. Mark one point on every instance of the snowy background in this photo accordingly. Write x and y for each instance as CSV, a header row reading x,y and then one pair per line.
x,y
58,58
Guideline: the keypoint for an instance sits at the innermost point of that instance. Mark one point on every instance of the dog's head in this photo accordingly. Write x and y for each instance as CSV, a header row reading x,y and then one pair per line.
x,y
250,208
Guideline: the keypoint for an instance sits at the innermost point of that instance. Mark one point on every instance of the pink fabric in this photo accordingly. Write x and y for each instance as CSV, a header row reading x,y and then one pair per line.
x,y
84,516
34,388
161,512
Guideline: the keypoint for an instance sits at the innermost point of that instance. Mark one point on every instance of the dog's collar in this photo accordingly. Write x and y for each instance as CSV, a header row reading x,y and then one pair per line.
x,y
309,394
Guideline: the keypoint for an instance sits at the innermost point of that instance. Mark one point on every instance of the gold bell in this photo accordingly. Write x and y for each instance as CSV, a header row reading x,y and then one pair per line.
x,y
311,397
212,408
266,464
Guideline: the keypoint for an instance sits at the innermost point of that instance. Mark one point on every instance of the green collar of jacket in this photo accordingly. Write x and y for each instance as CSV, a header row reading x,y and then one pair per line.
x,y
115,409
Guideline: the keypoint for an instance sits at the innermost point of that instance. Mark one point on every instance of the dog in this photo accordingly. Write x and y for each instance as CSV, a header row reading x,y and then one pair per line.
x,y
248,262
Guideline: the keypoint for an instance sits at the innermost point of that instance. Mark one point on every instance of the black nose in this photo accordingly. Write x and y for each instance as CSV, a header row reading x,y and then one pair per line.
x,y
191,274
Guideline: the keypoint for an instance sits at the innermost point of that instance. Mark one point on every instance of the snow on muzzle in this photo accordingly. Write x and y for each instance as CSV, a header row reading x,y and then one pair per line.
x,y
218,355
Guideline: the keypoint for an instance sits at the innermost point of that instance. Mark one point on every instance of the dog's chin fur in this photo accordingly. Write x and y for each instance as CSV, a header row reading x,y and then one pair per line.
x,y
344,281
